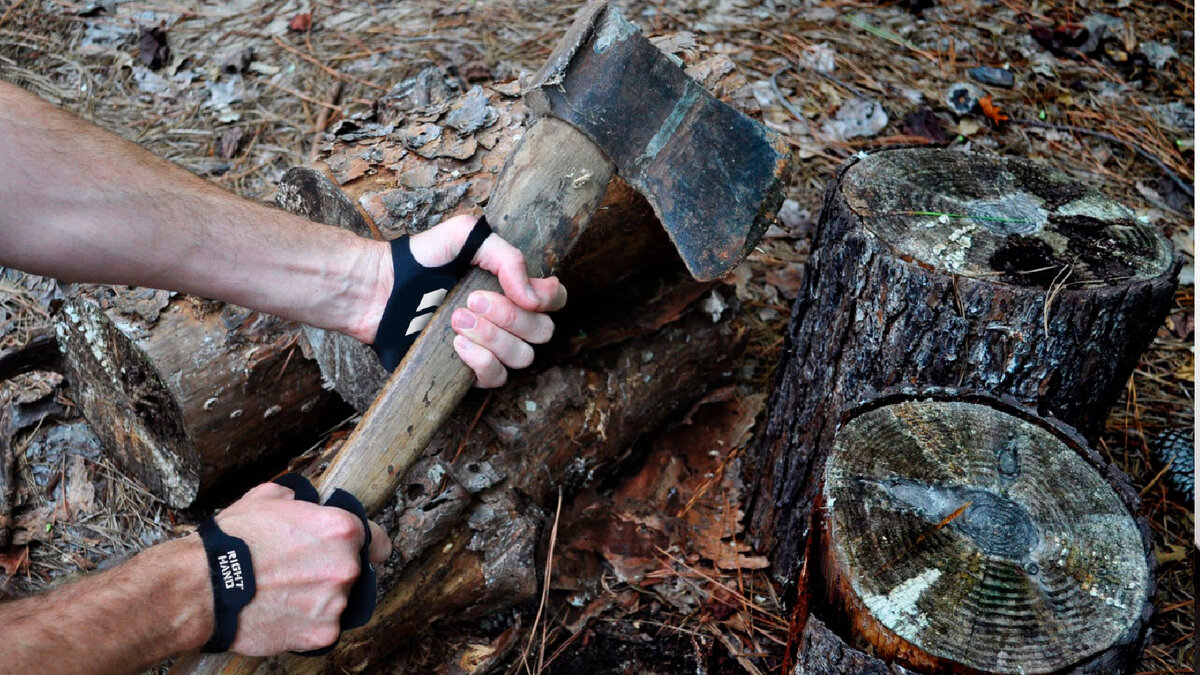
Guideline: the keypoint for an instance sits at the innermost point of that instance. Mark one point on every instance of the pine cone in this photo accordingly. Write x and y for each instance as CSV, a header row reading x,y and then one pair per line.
x,y
1176,449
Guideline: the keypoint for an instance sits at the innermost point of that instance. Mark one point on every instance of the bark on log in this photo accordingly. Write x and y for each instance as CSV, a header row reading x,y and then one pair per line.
x,y
467,530
184,391
822,652
966,535
429,151
942,268
8,486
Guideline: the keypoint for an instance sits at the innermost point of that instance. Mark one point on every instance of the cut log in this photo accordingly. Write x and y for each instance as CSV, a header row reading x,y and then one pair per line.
x,y
469,530
184,391
961,535
430,152
953,269
821,652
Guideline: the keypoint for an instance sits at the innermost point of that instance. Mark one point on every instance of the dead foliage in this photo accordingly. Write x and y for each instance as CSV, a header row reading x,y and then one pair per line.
x,y
238,90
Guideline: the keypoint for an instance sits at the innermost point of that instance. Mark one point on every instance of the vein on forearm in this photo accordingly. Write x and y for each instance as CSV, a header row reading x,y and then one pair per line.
x,y
157,604
82,204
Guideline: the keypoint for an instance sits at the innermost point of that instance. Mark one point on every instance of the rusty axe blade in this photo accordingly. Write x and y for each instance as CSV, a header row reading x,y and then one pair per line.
x,y
714,176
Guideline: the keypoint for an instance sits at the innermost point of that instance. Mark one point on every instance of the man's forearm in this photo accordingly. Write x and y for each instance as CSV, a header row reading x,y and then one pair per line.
x,y
157,604
82,204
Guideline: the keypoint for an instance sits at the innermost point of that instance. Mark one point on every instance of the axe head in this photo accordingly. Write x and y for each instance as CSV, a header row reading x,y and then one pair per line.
x,y
714,176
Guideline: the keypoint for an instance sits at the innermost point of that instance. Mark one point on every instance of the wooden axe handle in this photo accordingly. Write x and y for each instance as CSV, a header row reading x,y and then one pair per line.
x,y
546,194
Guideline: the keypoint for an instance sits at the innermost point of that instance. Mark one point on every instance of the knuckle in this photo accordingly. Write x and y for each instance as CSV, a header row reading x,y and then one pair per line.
x,y
322,635
499,375
490,378
342,525
507,314
347,570
524,356
269,490
486,330
336,605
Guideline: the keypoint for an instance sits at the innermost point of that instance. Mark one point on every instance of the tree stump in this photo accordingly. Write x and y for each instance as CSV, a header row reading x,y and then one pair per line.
x,y
184,391
954,269
963,535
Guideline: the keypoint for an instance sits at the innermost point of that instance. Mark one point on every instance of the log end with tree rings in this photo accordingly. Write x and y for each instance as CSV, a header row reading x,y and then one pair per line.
x,y
961,537
992,217
940,268
188,394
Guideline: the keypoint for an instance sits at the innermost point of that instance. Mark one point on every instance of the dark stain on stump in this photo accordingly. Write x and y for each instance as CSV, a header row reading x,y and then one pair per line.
x,y
987,216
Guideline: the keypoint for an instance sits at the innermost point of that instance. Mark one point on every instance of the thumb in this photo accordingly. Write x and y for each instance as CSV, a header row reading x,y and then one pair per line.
x,y
508,264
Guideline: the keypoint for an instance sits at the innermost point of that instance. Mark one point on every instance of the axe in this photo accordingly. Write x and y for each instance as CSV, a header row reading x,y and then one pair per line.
x,y
609,101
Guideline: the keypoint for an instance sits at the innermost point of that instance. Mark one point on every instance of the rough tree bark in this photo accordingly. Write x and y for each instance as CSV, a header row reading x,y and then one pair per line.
x,y
184,391
963,534
943,268
8,487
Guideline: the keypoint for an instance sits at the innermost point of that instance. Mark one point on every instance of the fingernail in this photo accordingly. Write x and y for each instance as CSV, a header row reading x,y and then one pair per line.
x,y
479,303
463,343
529,291
463,319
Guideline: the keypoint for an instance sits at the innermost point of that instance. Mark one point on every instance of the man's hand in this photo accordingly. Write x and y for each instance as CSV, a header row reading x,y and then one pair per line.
x,y
160,603
305,561
494,330
108,222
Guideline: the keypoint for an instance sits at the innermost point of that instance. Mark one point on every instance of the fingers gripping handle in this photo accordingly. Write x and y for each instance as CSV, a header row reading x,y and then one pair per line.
x,y
422,391
361,601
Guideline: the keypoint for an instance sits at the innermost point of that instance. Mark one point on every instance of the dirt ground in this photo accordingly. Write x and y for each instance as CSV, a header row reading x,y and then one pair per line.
x,y
243,88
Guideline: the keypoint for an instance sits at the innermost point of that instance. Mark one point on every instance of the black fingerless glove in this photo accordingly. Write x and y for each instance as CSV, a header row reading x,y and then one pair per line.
x,y
232,571
417,292
360,603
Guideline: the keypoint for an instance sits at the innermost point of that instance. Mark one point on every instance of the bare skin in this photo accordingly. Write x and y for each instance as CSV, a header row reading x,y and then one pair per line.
x,y
81,204
160,603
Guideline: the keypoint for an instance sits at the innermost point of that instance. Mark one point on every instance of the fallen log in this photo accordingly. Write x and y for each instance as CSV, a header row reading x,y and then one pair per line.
x,y
945,268
186,392
962,534
471,518
8,486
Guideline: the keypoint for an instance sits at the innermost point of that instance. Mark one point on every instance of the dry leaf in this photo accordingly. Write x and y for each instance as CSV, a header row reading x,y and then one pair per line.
x,y
301,23
14,561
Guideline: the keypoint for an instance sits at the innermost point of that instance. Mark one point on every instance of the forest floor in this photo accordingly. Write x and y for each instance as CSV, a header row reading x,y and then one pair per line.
x,y
244,87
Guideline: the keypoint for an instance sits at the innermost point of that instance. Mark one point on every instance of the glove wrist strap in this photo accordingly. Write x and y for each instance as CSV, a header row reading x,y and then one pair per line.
x,y
232,574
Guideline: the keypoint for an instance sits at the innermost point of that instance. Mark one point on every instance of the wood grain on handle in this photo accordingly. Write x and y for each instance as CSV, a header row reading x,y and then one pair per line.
x,y
545,195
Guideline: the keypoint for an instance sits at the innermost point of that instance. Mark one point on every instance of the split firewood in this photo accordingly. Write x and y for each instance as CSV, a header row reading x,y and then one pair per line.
x,y
960,534
945,268
821,652
187,393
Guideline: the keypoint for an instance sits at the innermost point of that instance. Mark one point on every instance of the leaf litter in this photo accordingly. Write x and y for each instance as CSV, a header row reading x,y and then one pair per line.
x,y
1079,70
